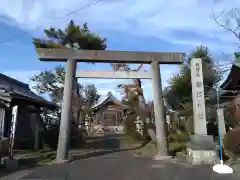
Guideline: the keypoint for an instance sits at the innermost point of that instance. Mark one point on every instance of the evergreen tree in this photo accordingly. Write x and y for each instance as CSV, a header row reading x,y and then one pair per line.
x,y
52,81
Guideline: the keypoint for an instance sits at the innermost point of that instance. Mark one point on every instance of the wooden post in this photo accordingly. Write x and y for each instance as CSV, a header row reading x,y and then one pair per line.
x,y
65,128
37,119
158,104
2,121
116,116
36,132
13,129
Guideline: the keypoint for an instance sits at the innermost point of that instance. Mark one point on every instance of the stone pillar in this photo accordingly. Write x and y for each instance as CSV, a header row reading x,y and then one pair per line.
x,y
201,148
159,113
64,132
139,125
199,113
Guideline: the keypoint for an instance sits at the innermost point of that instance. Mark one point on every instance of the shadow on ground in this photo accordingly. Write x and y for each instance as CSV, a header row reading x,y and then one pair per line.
x,y
23,165
124,166
95,146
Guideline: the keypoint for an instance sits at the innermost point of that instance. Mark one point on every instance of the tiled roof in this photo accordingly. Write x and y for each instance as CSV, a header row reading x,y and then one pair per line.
x,y
20,89
233,80
108,98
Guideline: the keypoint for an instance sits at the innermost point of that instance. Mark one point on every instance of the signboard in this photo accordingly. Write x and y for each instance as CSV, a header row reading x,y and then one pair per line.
x,y
220,120
13,129
199,112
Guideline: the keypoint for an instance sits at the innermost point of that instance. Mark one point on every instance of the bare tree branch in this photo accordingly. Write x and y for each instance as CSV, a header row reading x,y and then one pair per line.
x,y
223,20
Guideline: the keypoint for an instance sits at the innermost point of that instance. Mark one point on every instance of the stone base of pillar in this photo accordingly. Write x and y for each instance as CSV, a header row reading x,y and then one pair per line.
x,y
11,164
202,150
61,161
158,157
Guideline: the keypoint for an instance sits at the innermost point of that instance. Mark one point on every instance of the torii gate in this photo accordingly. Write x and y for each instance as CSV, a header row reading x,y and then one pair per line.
x,y
71,57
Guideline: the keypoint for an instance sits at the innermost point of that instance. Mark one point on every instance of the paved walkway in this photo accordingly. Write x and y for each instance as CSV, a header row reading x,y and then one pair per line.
x,y
122,165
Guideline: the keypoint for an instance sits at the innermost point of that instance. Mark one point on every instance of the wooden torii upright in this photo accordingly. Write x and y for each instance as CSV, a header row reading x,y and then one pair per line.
x,y
71,57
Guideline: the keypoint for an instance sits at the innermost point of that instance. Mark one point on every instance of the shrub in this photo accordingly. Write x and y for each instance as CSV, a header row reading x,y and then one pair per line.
x,y
51,137
177,146
129,124
178,142
179,137
231,143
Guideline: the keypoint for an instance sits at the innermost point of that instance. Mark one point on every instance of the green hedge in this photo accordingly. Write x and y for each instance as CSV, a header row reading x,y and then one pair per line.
x,y
178,141
179,137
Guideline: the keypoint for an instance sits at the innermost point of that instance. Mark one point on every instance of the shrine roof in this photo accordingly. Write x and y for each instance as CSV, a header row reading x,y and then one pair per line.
x,y
233,80
109,98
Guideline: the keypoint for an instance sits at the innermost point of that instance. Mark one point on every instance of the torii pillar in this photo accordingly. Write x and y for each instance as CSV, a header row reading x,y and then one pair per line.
x,y
159,110
65,125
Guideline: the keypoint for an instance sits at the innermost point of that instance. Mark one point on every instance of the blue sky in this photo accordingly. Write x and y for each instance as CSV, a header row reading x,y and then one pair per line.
x,y
153,25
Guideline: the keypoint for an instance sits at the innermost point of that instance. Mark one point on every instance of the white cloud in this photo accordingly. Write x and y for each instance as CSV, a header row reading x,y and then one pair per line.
x,y
159,18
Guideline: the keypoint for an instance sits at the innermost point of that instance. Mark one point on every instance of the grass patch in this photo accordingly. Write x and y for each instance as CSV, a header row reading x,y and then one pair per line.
x,y
149,150
43,156
177,142
47,159
177,146
130,140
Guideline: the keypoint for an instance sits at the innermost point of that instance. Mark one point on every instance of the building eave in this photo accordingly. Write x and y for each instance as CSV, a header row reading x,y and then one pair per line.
x,y
232,82
108,98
